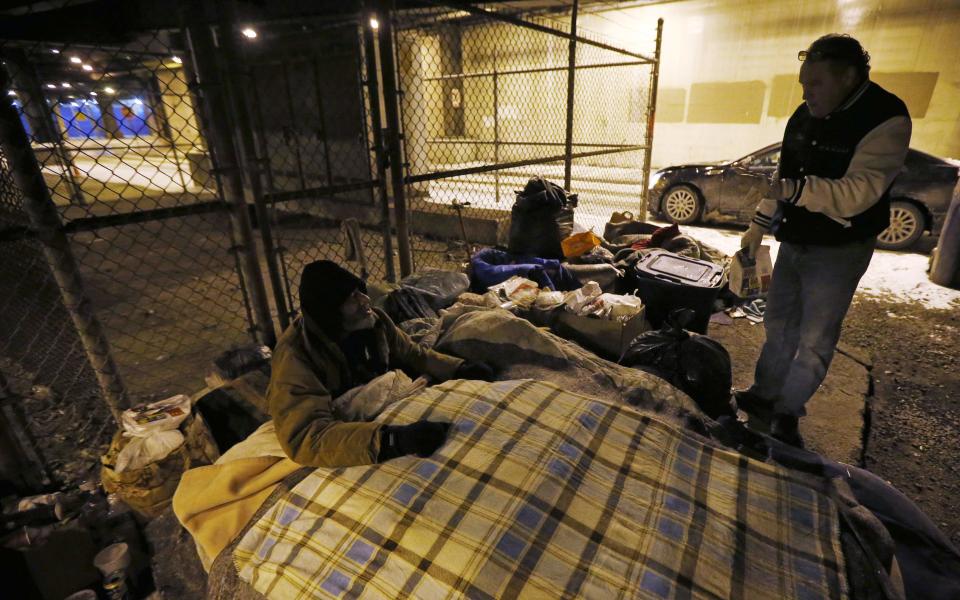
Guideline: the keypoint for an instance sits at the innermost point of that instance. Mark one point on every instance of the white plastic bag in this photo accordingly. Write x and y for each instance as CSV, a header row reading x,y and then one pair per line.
x,y
141,451
154,433
580,301
622,307
163,415
548,299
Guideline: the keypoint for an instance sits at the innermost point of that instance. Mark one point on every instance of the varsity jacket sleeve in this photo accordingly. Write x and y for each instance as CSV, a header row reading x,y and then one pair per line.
x,y
876,161
766,209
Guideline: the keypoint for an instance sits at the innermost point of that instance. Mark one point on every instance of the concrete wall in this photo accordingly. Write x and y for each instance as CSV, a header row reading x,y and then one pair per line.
x,y
727,80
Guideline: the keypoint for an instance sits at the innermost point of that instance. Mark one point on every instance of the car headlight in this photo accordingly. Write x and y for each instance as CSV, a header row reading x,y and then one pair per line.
x,y
655,179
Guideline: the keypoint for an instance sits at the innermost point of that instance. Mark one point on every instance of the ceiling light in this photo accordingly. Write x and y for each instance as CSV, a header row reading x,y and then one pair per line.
x,y
75,60
249,32
177,60
11,93
87,68
54,50
51,86
109,90
65,84
93,93
374,23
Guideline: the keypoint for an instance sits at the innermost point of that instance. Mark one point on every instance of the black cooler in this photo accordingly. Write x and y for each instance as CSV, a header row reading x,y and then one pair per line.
x,y
666,281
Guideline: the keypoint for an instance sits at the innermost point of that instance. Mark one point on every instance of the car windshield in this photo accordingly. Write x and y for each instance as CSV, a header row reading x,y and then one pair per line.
x,y
768,158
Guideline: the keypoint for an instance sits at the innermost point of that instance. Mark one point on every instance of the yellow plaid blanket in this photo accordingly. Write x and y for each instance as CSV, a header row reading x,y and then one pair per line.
x,y
541,493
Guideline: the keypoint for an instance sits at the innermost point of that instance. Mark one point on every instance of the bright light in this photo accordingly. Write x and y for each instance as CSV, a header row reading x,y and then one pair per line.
x,y
54,50
75,60
177,60
51,86
93,93
11,93
249,32
87,68
109,90
374,23
66,85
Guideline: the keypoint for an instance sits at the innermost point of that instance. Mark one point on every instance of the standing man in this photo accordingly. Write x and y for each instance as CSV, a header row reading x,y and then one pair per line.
x,y
842,149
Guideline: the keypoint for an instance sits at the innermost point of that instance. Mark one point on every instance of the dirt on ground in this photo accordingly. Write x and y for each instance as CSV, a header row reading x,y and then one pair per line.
x,y
914,412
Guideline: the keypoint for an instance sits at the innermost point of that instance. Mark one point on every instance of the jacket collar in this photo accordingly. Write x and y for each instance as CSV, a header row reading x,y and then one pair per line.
x,y
853,97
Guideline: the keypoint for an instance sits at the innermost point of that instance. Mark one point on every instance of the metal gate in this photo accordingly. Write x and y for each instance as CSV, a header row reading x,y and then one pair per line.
x,y
490,96
161,190
121,257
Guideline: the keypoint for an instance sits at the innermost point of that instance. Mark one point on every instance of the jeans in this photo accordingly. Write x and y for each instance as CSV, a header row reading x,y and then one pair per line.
x,y
809,295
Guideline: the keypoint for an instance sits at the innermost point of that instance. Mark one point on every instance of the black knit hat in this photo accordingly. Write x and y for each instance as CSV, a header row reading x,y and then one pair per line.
x,y
324,287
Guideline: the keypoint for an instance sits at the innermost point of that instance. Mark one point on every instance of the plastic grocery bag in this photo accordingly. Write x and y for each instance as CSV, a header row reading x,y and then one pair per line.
x,y
162,415
750,276
153,428
141,451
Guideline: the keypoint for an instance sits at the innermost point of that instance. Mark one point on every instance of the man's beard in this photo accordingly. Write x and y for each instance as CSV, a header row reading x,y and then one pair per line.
x,y
366,322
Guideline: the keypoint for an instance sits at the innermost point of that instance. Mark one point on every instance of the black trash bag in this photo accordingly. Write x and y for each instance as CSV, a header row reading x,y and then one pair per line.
x,y
439,288
542,216
698,365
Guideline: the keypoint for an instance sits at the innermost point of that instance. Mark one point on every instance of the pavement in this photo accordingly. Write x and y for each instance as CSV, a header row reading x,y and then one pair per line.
x,y
834,425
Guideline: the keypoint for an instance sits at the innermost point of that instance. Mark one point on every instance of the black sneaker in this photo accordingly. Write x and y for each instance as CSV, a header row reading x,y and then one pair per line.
x,y
754,405
786,428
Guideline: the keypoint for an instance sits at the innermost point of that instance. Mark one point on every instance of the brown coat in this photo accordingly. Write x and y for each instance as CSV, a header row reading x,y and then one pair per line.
x,y
306,376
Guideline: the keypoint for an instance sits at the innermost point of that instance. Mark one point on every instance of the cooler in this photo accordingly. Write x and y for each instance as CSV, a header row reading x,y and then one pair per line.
x,y
666,281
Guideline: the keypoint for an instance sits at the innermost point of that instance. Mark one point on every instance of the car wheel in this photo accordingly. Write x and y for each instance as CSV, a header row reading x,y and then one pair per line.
x,y
906,227
681,204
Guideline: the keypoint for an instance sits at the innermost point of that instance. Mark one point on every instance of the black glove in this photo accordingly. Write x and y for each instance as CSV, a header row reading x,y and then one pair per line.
x,y
421,438
474,370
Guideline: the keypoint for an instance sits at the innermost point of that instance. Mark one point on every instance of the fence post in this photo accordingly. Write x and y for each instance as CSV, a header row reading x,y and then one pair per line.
x,y
45,220
571,79
651,115
393,135
376,124
252,164
220,136
41,117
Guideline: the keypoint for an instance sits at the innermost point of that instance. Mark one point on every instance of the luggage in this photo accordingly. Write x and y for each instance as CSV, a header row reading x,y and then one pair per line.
x,y
541,218
666,281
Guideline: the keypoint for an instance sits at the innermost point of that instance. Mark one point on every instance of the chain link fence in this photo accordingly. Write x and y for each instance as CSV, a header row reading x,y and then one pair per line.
x,y
491,97
161,191
308,86
130,186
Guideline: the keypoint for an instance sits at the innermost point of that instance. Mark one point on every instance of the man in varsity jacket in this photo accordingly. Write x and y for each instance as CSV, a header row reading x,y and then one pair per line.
x,y
842,148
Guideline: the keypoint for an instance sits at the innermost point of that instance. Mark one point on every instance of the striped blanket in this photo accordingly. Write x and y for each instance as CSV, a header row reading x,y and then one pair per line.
x,y
541,493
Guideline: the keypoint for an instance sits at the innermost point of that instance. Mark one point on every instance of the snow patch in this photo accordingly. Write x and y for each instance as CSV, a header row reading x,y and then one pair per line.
x,y
893,276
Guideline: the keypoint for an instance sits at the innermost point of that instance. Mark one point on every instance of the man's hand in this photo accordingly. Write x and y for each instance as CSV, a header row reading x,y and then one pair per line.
x,y
421,438
775,189
752,239
474,370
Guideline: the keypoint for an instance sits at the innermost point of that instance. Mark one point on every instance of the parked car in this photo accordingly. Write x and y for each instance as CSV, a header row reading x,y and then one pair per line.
x,y
729,192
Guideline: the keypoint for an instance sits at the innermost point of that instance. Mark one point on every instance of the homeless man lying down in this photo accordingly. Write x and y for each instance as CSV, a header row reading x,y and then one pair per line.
x,y
338,343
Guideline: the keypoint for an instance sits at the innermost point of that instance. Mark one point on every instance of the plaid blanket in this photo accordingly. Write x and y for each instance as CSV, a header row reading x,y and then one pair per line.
x,y
539,492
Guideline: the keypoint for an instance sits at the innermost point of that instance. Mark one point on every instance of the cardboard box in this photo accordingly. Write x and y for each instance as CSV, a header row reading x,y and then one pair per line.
x,y
609,339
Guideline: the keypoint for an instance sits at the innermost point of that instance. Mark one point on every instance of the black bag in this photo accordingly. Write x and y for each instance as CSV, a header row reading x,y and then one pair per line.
x,y
407,303
541,218
439,288
698,365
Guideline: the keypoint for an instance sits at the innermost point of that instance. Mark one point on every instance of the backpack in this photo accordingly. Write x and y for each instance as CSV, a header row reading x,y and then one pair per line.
x,y
542,216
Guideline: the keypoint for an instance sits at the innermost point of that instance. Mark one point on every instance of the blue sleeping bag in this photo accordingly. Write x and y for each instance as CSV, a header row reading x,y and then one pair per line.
x,y
490,267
